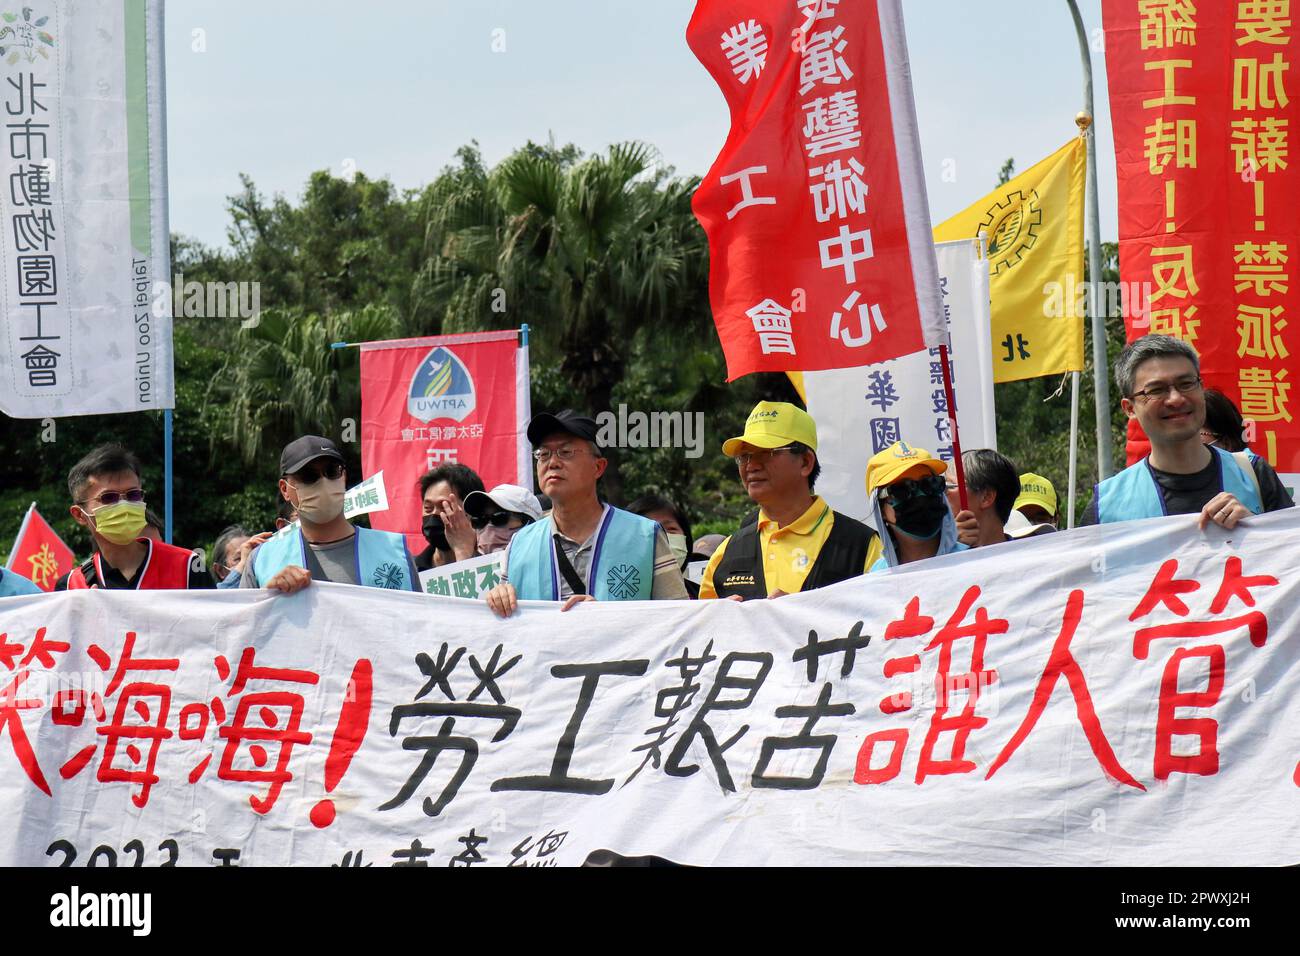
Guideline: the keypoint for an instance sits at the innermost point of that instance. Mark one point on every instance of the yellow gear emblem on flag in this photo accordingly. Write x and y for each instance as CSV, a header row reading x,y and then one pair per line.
x,y
1012,226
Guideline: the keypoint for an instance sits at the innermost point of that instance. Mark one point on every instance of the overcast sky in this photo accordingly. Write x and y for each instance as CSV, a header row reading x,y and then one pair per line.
x,y
394,87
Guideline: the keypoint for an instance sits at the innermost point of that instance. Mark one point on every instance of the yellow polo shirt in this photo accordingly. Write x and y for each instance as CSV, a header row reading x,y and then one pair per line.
x,y
790,552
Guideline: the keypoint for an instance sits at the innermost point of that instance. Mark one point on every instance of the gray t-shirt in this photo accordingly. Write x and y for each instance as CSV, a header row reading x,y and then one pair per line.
x,y
335,562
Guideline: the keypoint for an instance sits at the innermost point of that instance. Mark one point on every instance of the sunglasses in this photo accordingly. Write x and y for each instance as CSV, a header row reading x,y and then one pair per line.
x,y
314,473
498,519
909,488
135,496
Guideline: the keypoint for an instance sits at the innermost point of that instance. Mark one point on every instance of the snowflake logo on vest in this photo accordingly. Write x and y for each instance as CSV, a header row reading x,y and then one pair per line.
x,y
387,576
623,581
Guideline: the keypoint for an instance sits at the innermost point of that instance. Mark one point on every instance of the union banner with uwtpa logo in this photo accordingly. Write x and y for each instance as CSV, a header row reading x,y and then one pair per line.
x,y
1124,694
433,401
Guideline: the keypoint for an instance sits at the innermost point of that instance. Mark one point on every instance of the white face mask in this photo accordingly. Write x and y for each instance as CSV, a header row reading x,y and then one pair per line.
x,y
322,501
678,546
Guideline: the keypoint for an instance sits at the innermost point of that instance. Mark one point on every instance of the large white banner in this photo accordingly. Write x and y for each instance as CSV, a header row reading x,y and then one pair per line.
x,y
860,411
1126,694
83,199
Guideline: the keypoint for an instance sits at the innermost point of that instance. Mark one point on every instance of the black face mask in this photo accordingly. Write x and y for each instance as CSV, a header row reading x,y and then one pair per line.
x,y
920,517
434,533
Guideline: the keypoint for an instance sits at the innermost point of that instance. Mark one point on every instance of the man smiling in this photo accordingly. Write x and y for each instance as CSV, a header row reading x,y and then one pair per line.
x,y
798,542
1159,378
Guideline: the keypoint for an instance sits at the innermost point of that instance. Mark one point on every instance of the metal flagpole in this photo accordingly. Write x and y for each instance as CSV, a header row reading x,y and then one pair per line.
x,y
1105,466
167,475
1074,450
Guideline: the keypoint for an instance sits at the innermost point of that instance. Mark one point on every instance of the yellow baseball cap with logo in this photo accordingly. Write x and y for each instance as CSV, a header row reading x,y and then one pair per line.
x,y
774,425
886,467
1036,490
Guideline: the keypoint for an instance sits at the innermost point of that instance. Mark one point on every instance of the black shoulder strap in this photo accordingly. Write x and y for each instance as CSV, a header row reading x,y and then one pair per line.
x,y
88,572
576,584
740,571
843,555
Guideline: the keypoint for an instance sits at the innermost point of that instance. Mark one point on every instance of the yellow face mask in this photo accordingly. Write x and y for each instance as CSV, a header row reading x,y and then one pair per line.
x,y
120,523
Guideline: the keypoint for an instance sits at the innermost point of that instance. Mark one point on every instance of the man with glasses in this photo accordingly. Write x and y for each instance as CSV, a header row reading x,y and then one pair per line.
x,y
324,545
909,501
496,515
1159,378
108,500
798,542
584,550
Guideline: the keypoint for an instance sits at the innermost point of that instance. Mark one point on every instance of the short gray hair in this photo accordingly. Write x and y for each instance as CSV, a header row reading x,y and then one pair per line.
x,y
1143,350
223,545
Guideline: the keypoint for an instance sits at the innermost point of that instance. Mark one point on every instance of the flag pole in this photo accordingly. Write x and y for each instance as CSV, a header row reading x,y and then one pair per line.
x,y
167,475
1074,449
952,421
1100,370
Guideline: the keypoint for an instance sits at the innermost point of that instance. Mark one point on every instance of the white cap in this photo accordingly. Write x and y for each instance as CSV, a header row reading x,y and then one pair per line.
x,y
507,498
1018,526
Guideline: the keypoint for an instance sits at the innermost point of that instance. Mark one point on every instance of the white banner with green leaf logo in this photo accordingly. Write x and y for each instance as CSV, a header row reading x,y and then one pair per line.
x,y
83,197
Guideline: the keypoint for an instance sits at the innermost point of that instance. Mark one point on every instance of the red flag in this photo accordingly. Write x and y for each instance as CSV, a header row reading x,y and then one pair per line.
x,y
431,401
39,554
1207,198
820,253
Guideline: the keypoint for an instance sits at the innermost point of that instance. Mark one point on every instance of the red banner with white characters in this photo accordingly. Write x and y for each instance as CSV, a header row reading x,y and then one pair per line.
x,y
39,553
432,401
1203,101
820,253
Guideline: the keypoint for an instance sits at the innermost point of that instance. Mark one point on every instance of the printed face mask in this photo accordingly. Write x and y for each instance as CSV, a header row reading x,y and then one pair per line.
x,y
492,539
920,517
434,533
321,501
120,523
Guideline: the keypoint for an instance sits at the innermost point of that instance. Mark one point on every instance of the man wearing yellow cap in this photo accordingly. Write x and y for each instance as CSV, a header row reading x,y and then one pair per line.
x,y
907,492
1037,500
798,543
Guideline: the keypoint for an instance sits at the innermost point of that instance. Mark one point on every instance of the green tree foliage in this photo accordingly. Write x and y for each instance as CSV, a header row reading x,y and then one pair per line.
x,y
600,255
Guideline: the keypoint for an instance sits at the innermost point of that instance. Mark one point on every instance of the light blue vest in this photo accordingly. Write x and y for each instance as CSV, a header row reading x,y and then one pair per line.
x,y
1134,494
12,583
622,560
381,558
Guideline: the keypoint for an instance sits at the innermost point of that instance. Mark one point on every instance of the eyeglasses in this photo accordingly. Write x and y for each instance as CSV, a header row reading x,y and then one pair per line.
x,y
909,488
760,458
330,470
1157,392
498,519
563,453
135,496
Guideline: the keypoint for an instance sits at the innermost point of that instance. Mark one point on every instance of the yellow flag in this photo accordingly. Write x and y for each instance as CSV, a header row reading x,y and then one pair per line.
x,y
1035,234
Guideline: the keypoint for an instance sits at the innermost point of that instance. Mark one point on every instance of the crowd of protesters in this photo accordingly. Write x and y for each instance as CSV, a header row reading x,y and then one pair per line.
x,y
568,545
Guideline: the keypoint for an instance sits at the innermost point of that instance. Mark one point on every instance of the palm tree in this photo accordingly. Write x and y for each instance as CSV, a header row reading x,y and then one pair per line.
x,y
283,380
597,255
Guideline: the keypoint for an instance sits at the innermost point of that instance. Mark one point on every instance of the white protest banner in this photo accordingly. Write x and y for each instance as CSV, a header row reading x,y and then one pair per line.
x,y
366,497
84,239
1124,694
471,578
860,411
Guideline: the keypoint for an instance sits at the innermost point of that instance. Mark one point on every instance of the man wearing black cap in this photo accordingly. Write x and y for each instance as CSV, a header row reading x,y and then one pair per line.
x,y
584,550
324,545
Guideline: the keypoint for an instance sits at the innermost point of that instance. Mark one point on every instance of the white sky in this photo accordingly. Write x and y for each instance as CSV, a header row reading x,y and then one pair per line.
x,y
279,89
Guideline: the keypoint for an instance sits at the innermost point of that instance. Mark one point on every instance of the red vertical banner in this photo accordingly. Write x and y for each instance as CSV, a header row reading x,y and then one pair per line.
x,y
432,401
1202,108
39,553
820,254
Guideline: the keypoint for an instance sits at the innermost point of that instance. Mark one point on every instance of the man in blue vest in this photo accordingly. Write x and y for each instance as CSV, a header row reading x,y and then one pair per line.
x,y
323,544
584,550
12,584
1159,378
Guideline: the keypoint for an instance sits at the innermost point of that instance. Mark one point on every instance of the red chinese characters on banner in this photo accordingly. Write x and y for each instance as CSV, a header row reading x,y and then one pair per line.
x,y
1202,110
434,401
818,225
133,717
